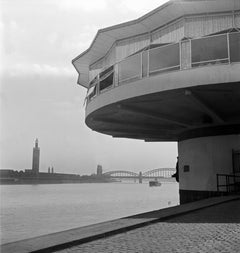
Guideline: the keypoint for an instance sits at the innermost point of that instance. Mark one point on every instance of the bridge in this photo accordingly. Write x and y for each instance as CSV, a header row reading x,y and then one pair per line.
x,y
151,174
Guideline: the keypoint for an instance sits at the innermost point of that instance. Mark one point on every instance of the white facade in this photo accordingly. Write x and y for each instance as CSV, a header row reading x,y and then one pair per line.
x,y
206,157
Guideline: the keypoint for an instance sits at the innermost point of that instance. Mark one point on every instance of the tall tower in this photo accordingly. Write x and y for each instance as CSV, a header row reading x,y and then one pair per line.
x,y
35,160
99,170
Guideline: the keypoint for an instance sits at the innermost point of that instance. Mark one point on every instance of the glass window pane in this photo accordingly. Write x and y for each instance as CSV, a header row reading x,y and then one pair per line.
x,y
93,80
144,63
105,83
93,93
130,68
105,72
234,43
209,49
164,57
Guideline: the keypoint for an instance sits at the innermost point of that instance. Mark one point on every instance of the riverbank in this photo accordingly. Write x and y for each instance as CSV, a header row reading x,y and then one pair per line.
x,y
30,181
15,177
80,236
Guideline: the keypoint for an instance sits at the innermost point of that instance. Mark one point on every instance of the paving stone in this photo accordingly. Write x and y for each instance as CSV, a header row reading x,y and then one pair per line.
x,y
214,229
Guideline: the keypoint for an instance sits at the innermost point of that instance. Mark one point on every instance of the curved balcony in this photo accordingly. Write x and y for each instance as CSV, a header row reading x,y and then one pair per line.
x,y
159,58
132,90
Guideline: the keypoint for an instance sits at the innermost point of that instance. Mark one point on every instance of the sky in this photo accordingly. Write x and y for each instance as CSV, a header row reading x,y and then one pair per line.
x,y
39,94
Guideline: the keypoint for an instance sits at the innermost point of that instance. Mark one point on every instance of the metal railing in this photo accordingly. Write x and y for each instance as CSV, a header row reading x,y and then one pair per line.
x,y
228,183
151,58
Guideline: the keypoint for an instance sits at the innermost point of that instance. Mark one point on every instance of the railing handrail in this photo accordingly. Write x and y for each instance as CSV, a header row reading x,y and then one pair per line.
x,y
228,175
209,61
162,69
191,63
228,185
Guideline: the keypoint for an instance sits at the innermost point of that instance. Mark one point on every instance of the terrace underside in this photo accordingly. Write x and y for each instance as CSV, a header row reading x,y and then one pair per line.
x,y
172,115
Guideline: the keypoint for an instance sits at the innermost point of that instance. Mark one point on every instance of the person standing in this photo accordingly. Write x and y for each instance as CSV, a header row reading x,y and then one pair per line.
x,y
176,174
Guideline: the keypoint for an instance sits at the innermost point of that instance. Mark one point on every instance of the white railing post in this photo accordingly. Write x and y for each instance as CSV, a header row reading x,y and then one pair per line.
x,y
228,48
190,54
180,54
148,62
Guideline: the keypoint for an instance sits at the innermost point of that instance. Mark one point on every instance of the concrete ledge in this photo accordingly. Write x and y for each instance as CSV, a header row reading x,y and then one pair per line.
x,y
72,237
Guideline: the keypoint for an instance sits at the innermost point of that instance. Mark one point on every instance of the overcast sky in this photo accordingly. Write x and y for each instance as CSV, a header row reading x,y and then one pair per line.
x,y
40,97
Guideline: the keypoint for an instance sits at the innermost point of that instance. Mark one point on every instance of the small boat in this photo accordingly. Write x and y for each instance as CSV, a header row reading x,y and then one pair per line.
x,y
154,183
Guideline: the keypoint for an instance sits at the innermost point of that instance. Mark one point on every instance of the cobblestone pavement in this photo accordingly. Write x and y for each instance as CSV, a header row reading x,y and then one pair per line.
x,y
211,230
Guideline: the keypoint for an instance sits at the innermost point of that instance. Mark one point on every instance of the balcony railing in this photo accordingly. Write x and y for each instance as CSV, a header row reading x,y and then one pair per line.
x,y
186,54
228,183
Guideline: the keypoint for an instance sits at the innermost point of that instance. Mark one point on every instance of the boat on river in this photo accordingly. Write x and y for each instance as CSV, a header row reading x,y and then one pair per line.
x,y
154,183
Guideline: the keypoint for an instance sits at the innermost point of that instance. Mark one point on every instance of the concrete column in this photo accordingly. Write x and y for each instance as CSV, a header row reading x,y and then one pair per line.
x,y
200,160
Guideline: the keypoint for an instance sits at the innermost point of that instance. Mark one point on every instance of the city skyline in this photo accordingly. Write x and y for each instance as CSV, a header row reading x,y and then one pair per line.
x,y
39,95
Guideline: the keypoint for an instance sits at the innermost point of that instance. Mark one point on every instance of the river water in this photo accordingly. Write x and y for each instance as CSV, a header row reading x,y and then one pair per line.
x,y
33,210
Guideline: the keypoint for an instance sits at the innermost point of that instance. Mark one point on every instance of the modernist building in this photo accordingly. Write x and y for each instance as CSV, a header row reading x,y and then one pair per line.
x,y
35,159
172,75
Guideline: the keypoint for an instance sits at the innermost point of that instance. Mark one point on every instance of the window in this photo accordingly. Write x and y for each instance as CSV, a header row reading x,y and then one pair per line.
x,y
106,72
164,58
209,50
130,68
234,44
107,82
106,78
94,80
92,92
144,63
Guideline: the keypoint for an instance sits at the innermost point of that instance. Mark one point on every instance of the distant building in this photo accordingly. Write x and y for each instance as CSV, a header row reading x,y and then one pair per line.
x,y
52,170
36,157
48,169
99,170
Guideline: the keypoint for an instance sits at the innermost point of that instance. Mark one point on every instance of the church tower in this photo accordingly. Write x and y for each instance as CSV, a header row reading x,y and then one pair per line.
x,y
35,160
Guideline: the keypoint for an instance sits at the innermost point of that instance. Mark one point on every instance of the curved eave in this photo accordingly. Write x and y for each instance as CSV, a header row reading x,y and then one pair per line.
x,y
160,16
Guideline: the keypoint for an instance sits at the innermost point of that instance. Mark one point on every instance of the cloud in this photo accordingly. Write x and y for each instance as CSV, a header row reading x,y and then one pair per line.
x,y
79,42
86,6
39,69
1,40
141,7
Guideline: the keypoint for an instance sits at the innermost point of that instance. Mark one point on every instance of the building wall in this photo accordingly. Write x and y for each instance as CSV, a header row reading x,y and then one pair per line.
x,y
206,157
169,34
129,46
204,25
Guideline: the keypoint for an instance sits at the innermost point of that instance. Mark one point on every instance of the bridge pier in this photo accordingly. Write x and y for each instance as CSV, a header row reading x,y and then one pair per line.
x,y
140,177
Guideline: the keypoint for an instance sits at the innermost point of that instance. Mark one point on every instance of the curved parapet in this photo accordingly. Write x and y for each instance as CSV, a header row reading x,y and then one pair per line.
x,y
171,92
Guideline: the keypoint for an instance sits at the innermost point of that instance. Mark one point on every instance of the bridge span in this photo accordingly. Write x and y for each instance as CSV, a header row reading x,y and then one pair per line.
x,y
151,174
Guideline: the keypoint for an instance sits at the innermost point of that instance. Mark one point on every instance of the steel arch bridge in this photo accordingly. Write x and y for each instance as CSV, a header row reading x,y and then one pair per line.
x,y
161,172
155,173
121,174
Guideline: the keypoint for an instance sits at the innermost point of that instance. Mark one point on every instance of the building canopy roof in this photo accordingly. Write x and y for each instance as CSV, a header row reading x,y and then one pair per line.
x,y
160,16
